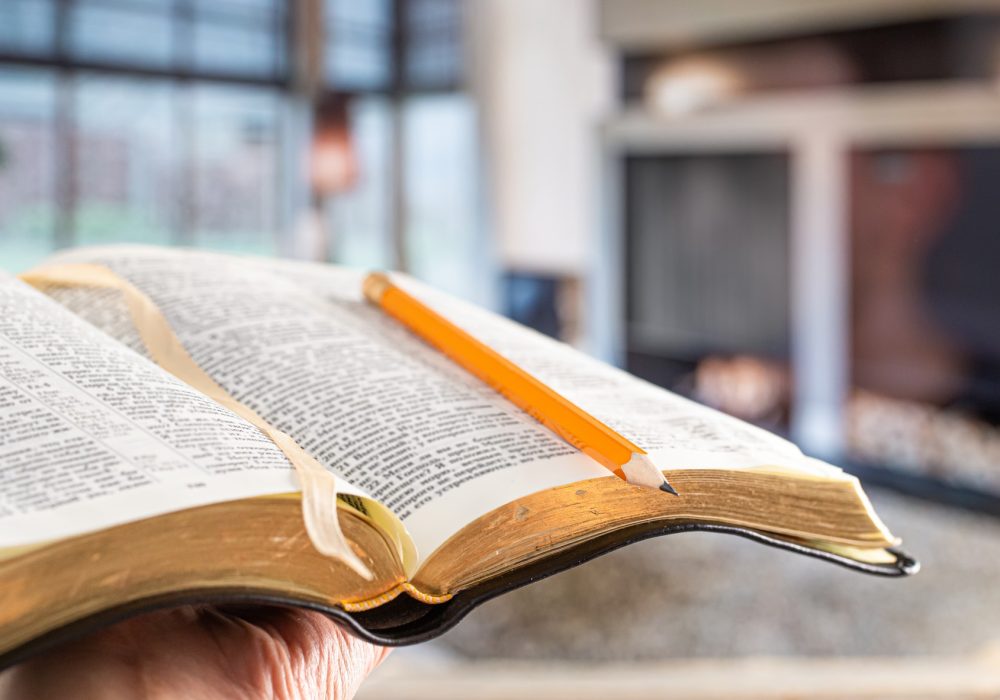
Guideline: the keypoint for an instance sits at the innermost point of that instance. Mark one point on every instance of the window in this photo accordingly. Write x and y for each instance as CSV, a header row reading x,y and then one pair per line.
x,y
440,184
243,37
360,221
164,116
126,180
413,129
366,50
434,44
27,26
121,31
442,215
178,122
359,52
27,172
235,168
238,38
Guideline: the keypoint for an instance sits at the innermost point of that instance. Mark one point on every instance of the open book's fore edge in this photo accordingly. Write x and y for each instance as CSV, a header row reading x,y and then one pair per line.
x,y
405,620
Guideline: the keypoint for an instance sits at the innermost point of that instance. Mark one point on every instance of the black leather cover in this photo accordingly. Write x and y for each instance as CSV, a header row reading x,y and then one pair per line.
x,y
407,621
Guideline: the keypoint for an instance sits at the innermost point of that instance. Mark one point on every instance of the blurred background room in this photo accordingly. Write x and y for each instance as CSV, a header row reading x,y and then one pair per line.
x,y
786,209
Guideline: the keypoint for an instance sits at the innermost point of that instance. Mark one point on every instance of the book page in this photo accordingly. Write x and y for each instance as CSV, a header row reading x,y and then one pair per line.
x,y
356,390
675,431
93,435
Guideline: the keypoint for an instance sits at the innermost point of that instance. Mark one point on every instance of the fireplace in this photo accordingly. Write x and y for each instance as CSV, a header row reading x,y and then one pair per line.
x,y
708,272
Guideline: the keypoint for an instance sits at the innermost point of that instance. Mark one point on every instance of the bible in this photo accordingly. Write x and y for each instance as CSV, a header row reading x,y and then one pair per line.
x,y
189,427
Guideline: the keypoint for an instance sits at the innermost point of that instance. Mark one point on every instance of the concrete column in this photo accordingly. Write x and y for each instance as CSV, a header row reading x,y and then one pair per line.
x,y
819,291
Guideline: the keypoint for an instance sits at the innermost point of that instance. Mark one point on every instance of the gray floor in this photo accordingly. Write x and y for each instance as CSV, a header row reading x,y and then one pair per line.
x,y
715,595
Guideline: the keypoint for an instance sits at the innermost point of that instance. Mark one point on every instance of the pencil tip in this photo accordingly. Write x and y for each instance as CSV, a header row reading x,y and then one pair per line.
x,y
665,486
641,471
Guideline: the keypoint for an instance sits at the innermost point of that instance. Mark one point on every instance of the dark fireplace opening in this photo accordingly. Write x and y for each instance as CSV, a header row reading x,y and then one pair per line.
x,y
707,278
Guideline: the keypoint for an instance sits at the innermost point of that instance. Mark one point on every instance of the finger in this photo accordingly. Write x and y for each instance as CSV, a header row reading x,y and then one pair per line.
x,y
302,649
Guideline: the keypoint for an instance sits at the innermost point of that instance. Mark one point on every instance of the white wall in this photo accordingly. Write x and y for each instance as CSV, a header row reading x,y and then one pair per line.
x,y
543,81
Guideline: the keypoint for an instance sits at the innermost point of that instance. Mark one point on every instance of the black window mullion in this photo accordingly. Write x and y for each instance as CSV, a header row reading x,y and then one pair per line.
x,y
61,30
183,35
283,28
398,48
65,151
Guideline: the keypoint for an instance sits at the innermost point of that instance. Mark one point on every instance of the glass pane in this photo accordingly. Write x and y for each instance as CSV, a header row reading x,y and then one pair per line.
x,y
358,48
249,9
237,48
27,172
359,220
236,168
126,158
444,244
127,32
27,26
240,36
434,46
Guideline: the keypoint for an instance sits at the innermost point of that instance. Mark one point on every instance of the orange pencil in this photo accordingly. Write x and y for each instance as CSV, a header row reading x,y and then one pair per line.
x,y
554,411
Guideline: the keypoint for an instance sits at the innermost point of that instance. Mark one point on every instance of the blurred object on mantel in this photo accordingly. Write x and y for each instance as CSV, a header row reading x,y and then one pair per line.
x,y
750,388
959,48
333,160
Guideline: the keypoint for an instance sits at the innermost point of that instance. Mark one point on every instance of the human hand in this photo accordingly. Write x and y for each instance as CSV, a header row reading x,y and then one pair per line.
x,y
203,652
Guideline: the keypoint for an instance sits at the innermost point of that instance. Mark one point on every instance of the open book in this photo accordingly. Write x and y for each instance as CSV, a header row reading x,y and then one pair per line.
x,y
125,487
